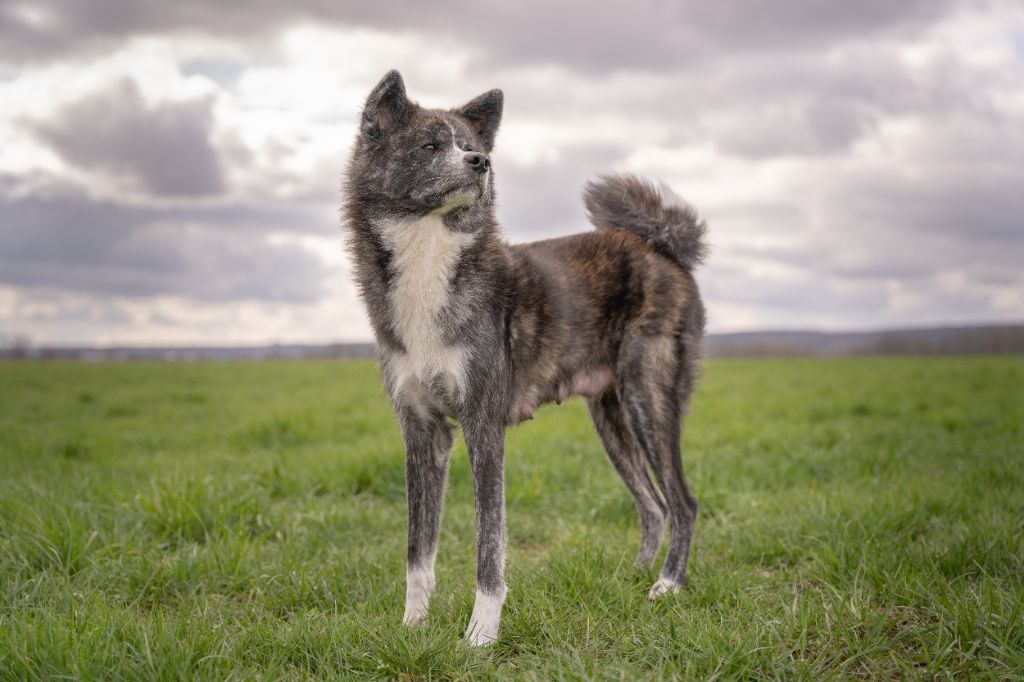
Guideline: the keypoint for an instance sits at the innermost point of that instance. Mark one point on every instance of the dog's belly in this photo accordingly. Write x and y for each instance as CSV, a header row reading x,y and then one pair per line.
x,y
588,383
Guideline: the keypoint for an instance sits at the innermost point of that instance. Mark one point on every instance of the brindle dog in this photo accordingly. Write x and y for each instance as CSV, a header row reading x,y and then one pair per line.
x,y
475,330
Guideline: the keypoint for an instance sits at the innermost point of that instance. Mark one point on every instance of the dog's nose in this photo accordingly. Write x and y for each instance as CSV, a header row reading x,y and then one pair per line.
x,y
479,162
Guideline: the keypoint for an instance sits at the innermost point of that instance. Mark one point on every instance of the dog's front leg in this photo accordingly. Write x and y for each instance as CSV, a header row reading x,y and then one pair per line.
x,y
486,445
428,443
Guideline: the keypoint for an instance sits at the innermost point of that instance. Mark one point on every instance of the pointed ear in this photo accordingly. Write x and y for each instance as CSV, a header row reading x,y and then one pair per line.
x,y
386,108
484,114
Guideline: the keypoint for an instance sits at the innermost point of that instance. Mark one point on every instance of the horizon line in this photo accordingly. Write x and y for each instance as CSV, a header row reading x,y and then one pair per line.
x,y
269,343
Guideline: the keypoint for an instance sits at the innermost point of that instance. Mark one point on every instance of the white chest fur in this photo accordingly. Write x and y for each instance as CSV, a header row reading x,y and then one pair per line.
x,y
425,253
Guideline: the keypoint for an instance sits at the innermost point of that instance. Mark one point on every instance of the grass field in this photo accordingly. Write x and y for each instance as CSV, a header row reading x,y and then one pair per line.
x,y
859,517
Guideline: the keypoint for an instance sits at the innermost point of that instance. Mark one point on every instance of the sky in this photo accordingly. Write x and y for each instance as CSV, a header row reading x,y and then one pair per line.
x,y
170,171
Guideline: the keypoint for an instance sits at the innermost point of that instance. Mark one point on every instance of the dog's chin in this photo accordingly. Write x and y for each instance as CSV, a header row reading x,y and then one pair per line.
x,y
455,200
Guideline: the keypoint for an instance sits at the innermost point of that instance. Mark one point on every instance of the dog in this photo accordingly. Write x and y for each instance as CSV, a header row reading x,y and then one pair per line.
x,y
472,329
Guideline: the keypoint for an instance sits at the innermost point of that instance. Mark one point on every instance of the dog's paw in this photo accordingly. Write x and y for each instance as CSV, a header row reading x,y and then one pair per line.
x,y
483,624
662,587
481,634
414,616
415,610
419,585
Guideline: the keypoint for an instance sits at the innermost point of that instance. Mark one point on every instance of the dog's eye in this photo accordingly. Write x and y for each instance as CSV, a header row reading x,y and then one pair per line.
x,y
430,147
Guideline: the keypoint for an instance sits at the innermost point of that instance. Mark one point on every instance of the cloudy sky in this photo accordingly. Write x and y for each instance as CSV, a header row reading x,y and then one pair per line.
x,y
169,171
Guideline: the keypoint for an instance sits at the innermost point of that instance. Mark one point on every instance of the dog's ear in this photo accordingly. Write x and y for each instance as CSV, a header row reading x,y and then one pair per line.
x,y
484,114
386,108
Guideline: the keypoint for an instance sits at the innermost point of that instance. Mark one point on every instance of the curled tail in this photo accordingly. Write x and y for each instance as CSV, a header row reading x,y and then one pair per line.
x,y
627,202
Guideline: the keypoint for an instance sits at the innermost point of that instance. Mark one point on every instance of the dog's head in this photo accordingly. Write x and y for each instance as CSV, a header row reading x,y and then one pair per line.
x,y
409,161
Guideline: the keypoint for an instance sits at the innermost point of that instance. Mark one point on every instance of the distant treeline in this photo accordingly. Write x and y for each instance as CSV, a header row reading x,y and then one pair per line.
x,y
986,340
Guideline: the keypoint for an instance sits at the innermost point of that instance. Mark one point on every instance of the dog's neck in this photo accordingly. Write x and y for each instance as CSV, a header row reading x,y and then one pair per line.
x,y
430,247
407,267
424,256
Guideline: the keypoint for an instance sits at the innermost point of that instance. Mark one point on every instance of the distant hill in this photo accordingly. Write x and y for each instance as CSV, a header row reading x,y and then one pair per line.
x,y
993,339
1000,339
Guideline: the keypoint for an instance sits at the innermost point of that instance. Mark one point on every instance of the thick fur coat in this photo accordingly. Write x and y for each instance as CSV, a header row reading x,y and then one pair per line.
x,y
475,331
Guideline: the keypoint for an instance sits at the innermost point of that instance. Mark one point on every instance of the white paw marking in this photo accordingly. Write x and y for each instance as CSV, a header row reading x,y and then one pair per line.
x,y
662,587
418,587
483,624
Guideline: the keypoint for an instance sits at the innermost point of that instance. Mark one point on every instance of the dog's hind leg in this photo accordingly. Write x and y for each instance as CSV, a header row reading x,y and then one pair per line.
x,y
650,373
627,458
428,444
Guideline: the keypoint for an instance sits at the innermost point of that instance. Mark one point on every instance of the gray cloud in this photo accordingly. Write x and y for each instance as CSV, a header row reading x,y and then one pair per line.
x,y
70,242
816,302
659,35
782,298
166,148
949,243
544,200
649,34
817,127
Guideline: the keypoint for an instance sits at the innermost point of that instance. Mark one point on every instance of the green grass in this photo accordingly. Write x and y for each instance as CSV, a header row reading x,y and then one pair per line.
x,y
859,518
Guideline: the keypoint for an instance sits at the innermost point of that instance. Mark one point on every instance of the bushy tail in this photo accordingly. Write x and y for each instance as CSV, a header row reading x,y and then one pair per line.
x,y
627,202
